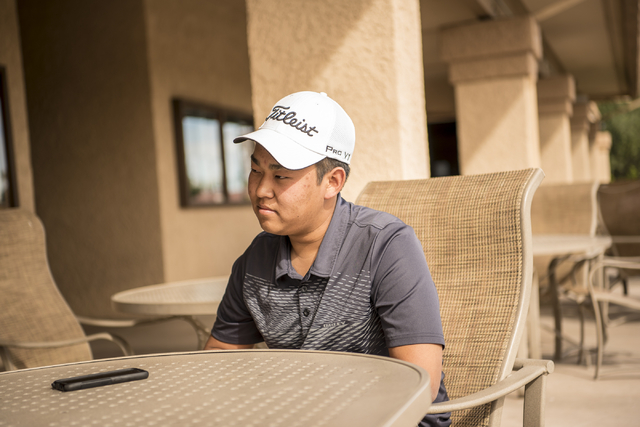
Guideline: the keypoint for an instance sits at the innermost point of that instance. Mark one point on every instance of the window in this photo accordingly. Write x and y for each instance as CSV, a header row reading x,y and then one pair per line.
x,y
212,169
8,189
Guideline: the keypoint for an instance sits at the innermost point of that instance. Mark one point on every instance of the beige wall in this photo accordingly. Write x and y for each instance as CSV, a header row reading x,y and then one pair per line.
x,y
556,95
493,66
11,59
365,54
555,149
600,157
497,125
197,51
585,115
92,144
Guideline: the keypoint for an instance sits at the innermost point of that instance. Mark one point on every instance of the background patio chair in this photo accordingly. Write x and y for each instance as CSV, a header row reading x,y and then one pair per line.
x,y
476,235
619,205
37,327
565,209
602,293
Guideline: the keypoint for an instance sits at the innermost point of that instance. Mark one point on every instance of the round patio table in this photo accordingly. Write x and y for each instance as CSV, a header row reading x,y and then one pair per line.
x,y
186,299
225,388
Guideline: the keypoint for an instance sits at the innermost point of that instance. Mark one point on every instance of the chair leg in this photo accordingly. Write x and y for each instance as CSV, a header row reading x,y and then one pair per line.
x,y
123,344
534,402
555,304
201,330
7,362
581,312
599,337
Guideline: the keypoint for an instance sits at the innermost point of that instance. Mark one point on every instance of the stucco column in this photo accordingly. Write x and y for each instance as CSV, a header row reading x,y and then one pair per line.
x,y
555,106
493,67
600,157
365,54
585,113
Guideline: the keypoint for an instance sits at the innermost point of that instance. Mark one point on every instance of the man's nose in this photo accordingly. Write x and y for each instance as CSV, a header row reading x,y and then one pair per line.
x,y
264,188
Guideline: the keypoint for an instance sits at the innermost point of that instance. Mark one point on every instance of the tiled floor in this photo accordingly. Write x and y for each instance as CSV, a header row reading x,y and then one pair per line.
x,y
573,397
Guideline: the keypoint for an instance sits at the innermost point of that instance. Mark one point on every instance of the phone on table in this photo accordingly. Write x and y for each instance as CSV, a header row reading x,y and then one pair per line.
x,y
100,379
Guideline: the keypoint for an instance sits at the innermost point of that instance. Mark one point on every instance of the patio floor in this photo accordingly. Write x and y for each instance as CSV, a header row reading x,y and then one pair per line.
x,y
573,397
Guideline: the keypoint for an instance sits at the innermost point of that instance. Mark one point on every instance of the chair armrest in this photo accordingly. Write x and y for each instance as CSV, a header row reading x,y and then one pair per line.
x,y
124,347
625,239
525,372
619,262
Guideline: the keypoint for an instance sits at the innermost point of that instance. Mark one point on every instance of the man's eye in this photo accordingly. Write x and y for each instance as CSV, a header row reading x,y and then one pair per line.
x,y
281,177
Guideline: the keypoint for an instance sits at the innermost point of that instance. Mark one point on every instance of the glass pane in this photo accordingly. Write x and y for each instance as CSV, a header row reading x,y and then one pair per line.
x,y
203,159
237,160
4,170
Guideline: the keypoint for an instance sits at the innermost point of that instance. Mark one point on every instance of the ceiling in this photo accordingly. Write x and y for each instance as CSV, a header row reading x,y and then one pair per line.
x,y
596,41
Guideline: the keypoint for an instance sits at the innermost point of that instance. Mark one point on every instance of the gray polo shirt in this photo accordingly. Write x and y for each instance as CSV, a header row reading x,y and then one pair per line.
x,y
368,289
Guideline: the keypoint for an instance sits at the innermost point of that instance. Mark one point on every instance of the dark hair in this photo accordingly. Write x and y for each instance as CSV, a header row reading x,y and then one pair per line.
x,y
325,165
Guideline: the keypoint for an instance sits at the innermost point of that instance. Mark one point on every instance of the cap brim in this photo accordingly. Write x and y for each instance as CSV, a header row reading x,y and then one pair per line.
x,y
286,151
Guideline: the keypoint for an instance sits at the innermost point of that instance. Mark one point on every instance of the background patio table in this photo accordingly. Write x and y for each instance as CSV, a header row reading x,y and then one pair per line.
x,y
230,388
559,246
185,299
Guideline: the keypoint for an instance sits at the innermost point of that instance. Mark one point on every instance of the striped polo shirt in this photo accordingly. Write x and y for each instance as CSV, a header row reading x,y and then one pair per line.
x,y
369,289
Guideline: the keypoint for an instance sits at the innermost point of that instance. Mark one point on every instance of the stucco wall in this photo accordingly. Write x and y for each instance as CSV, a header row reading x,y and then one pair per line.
x,y
500,126
11,59
365,54
197,51
93,151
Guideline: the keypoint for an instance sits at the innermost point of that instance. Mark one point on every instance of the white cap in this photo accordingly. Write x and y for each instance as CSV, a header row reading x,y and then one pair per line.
x,y
304,128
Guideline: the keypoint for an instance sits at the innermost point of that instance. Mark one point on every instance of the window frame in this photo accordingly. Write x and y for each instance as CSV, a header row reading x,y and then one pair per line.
x,y
12,199
185,108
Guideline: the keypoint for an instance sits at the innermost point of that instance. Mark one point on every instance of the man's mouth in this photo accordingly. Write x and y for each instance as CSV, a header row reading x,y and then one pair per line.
x,y
265,209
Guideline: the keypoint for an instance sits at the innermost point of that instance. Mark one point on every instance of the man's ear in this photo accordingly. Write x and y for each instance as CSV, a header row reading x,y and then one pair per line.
x,y
335,180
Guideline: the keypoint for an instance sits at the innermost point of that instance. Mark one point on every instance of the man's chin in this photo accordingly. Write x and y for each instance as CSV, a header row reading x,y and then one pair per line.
x,y
271,229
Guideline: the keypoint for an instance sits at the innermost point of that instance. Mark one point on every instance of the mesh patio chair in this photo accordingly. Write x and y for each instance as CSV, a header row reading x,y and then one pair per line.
x,y
619,205
37,327
563,209
476,235
602,294
569,209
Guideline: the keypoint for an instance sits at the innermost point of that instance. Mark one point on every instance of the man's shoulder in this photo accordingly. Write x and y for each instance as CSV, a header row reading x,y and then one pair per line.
x,y
363,216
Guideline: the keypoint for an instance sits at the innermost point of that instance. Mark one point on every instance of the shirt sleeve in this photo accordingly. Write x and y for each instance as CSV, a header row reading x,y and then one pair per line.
x,y
234,324
404,293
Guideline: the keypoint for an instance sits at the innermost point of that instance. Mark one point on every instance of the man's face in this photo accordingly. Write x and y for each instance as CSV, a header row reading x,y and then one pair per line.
x,y
286,202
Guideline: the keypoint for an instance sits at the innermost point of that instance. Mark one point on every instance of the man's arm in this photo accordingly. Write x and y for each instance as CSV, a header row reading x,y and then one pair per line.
x,y
427,356
214,344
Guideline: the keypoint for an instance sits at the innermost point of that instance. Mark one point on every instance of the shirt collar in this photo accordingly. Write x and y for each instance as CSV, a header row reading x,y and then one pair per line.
x,y
329,248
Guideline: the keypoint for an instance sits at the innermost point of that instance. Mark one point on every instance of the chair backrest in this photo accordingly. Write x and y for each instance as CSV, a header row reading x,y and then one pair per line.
x,y
565,209
619,204
476,235
31,308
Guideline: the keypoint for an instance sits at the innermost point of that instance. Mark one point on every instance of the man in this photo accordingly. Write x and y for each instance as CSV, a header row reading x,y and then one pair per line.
x,y
326,274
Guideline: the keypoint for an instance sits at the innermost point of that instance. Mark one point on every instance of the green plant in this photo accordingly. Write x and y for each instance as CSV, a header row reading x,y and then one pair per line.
x,y
623,121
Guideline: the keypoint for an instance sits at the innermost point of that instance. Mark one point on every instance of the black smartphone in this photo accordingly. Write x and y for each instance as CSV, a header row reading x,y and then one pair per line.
x,y
100,379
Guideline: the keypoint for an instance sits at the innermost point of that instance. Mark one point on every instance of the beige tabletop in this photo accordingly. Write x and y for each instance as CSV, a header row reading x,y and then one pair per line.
x,y
185,298
225,388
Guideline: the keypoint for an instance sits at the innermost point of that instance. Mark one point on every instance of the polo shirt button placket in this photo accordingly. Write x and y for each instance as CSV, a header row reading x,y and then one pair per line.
x,y
306,312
